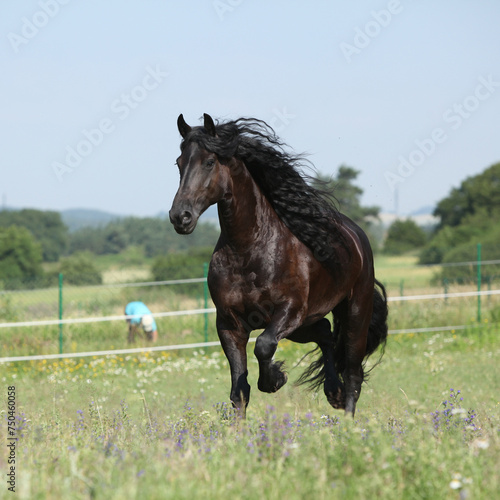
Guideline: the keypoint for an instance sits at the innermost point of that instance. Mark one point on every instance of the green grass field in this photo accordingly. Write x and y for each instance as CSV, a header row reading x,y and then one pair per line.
x,y
396,269
159,425
91,301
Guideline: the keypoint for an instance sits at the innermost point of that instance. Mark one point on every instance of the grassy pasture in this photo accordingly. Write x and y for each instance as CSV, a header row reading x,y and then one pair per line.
x,y
190,329
90,301
403,268
158,425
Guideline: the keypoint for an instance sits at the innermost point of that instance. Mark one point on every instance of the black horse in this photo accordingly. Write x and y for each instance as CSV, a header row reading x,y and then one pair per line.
x,y
285,259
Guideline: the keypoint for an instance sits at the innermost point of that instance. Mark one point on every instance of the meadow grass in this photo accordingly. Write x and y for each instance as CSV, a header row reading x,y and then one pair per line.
x,y
88,301
78,301
187,329
403,271
160,426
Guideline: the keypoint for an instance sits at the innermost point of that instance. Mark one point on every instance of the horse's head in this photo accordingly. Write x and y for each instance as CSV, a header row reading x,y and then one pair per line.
x,y
204,179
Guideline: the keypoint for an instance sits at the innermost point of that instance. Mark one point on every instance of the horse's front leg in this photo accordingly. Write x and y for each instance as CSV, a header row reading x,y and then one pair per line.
x,y
271,376
234,342
356,333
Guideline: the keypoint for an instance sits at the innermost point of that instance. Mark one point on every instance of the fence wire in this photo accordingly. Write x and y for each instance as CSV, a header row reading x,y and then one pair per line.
x,y
32,307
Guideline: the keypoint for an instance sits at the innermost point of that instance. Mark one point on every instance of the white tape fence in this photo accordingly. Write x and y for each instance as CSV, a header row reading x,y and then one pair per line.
x,y
215,343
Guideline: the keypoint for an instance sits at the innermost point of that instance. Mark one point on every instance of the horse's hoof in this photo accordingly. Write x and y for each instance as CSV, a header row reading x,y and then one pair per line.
x,y
275,380
281,381
350,410
337,400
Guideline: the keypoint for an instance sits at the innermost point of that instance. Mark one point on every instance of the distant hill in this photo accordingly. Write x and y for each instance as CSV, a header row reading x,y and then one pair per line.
x,y
427,210
76,218
422,217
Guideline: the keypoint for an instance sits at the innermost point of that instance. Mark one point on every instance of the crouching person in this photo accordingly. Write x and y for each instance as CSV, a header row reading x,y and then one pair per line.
x,y
141,316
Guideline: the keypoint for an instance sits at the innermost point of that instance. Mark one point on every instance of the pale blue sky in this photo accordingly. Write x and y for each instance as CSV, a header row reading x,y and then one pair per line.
x,y
356,83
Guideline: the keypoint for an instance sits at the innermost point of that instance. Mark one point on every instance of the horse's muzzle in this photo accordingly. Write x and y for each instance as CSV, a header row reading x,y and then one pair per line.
x,y
183,221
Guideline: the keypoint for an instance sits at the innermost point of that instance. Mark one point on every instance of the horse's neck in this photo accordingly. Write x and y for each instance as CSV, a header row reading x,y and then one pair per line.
x,y
248,214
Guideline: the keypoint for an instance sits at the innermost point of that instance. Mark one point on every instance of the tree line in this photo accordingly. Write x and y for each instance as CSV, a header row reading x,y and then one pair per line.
x,y
29,238
468,216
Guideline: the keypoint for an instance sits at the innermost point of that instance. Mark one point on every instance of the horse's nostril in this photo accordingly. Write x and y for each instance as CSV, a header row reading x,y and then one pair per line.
x,y
186,218
181,219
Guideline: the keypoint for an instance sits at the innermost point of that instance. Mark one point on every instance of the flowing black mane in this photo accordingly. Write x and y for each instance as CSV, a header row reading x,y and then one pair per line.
x,y
304,209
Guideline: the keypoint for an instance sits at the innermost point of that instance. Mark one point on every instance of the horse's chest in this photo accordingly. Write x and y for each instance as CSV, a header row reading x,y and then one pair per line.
x,y
238,284
236,287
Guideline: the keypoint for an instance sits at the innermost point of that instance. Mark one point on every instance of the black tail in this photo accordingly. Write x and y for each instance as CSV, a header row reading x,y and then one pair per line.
x,y
314,375
377,333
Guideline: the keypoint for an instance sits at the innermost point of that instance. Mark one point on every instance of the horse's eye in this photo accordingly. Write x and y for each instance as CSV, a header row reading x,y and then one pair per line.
x,y
210,163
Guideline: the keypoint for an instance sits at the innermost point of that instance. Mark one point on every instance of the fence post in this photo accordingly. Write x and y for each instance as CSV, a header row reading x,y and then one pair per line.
x,y
60,312
479,282
205,296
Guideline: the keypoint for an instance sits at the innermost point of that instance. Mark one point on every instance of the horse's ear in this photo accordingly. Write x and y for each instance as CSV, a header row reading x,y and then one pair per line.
x,y
183,127
209,124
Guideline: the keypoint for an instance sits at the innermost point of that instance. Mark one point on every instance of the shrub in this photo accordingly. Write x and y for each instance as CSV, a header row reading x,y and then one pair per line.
x,y
403,236
20,257
79,269
181,266
468,253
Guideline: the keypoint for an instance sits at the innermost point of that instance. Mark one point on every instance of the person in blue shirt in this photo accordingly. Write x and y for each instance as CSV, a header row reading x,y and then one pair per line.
x,y
144,318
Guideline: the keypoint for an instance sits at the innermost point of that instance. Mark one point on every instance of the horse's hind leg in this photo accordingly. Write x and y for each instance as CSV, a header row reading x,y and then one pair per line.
x,y
334,389
321,333
356,332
